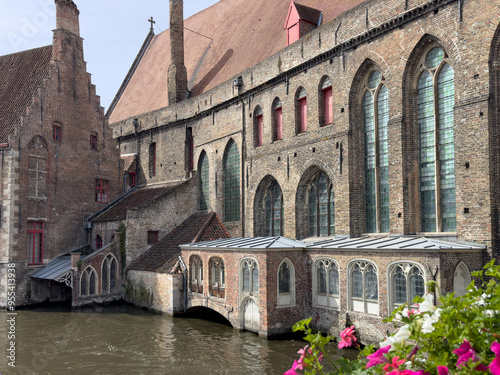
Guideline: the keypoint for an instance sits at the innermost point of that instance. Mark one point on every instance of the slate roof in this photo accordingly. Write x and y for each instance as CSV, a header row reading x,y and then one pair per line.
x,y
392,243
163,256
20,76
220,42
135,198
252,243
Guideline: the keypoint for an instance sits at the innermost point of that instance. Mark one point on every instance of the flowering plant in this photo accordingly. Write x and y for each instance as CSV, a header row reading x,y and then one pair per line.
x,y
461,336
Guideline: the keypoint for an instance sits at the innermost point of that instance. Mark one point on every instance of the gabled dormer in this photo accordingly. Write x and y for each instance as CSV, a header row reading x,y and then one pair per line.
x,y
300,20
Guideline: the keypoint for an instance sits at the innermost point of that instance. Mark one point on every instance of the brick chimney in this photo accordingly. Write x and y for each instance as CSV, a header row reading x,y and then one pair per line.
x,y
67,16
177,73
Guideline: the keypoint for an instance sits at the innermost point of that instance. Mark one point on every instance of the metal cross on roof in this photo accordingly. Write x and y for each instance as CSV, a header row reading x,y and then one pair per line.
x,y
152,23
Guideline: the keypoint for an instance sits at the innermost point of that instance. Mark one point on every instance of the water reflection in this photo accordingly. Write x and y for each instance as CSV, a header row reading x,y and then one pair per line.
x,y
125,340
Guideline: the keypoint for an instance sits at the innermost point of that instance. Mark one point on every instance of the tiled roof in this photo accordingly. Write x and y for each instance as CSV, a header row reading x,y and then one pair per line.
x,y
20,75
220,42
128,160
163,256
141,197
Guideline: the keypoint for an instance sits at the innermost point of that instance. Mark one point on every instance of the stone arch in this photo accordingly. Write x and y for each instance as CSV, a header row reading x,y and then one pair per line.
x,y
259,206
410,129
37,142
461,279
301,198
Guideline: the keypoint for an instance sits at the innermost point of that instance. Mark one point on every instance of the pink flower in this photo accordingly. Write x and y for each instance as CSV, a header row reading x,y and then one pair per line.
x,y
378,357
304,353
292,370
442,370
396,362
494,366
348,338
466,353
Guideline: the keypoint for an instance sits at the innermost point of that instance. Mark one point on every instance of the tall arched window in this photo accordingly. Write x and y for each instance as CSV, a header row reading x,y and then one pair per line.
x,y
232,182
286,284
196,274
435,103
249,276
88,282
109,272
406,282
326,102
203,168
326,283
301,111
258,127
375,119
274,210
363,285
217,277
321,207
277,120
152,159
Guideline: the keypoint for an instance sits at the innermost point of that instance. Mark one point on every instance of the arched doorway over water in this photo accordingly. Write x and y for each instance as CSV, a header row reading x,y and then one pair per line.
x,y
251,318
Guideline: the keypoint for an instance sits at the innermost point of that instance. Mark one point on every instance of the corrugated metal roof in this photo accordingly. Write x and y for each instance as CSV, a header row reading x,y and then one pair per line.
x,y
249,243
392,243
55,269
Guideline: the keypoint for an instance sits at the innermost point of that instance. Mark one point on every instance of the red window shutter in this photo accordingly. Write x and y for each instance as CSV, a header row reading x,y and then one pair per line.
x,y
260,131
279,123
303,115
327,102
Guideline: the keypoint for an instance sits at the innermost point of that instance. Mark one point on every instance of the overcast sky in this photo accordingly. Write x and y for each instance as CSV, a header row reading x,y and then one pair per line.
x,y
113,31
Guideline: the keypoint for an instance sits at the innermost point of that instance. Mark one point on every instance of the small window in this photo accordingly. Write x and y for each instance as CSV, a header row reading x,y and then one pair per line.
x,y
326,102
56,133
249,276
196,274
109,273
286,284
88,283
301,111
189,149
407,282
93,142
152,159
98,242
258,124
132,179
152,237
101,191
363,284
326,283
35,242
217,278
277,120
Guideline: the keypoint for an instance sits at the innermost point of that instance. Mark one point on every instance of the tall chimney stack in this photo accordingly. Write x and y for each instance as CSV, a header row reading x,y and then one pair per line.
x,y
67,16
177,73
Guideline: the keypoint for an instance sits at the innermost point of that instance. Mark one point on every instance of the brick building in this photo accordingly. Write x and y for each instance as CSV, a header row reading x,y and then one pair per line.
x,y
365,130
59,161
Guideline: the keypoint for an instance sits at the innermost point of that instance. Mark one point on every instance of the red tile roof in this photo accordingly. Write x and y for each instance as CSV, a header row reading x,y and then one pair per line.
x,y
141,197
220,42
163,256
20,76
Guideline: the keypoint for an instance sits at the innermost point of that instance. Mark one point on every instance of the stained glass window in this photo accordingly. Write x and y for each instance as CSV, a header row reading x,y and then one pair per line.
x,y
204,182
436,92
232,183
375,108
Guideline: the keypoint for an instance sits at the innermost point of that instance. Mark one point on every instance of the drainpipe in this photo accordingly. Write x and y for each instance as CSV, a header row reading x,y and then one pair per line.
x,y
184,279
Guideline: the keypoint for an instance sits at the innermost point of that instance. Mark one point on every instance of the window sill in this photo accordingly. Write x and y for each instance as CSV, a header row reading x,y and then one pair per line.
x,y
285,306
316,306
365,314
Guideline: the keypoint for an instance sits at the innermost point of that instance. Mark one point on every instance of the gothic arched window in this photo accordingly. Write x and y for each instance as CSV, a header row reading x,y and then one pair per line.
x,y
406,282
88,282
326,283
286,284
277,120
196,274
217,277
249,274
231,182
363,285
203,168
375,119
109,273
274,210
326,102
258,124
301,111
436,156
321,203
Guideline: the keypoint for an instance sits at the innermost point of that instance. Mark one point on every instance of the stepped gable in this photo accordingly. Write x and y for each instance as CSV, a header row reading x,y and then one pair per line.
x,y
162,257
212,54
21,74
135,199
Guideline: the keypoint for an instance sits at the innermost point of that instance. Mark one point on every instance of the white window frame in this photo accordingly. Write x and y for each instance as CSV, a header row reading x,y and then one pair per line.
x,y
286,299
362,305
328,300
407,266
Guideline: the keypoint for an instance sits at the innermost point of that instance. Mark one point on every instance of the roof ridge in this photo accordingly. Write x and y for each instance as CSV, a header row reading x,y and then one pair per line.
x,y
202,229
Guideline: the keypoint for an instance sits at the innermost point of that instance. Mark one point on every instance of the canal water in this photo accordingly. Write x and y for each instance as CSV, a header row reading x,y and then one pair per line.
x,y
123,340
